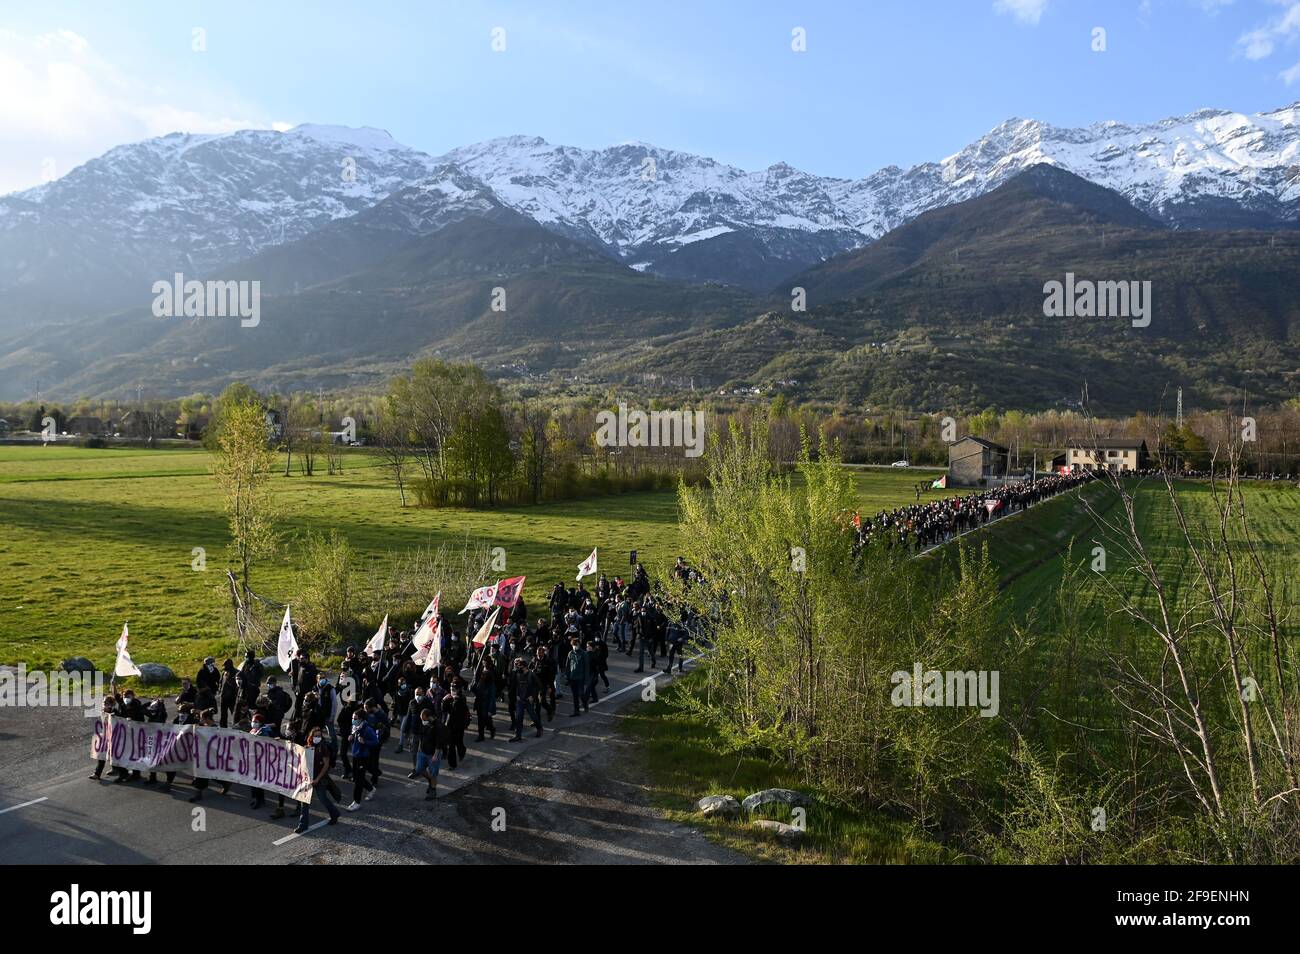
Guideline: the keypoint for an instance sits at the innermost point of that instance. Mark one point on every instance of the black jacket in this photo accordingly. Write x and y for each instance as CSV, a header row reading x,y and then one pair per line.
x,y
207,678
302,675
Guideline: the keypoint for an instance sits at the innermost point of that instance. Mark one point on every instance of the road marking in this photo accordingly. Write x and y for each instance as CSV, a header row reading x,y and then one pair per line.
x,y
292,835
34,801
640,683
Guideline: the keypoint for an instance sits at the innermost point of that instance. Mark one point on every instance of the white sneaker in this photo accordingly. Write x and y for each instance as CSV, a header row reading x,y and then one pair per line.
x,y
370,795
354,806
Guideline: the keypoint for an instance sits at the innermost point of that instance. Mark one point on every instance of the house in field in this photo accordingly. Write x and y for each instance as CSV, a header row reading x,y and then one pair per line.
x,y
1116,454
85,425
972,461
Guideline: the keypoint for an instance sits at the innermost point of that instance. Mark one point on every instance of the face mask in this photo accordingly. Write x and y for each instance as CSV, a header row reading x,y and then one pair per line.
x,y
315,740
357,723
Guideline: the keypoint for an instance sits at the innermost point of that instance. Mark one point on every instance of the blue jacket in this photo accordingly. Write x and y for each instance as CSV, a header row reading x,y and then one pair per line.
x,y
362,740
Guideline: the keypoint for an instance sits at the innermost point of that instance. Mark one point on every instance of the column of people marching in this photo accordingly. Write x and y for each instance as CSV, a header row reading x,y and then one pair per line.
x,y
426,689
919,526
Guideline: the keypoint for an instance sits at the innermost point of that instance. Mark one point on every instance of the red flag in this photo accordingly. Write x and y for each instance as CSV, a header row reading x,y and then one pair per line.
x,y
508,592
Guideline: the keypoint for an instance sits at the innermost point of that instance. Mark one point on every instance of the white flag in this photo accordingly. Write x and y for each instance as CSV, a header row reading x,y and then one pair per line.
x,y
433,653
587,566
287,647
424,633
481,598
485,631
376,643
124,665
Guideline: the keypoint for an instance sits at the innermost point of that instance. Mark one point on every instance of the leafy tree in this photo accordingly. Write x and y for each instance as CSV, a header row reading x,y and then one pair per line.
x,y
242,466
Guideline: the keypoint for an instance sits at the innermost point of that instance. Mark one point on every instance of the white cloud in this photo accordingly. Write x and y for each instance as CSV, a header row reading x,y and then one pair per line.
x,y
1291,75
1259,43
62,104
1026,11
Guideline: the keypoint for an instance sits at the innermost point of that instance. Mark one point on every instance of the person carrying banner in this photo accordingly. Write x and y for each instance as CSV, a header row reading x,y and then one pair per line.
x,y
129,707
206,718
109,708
155,711
322,760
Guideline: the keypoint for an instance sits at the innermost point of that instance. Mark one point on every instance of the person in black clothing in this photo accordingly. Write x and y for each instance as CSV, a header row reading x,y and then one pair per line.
x,y
109,707
309,712
344,724
184,716
250,679
155,711
206,683
544,664
402,694
322,760
187,694
455,716
228,692
432,739
485,690
601,659
677,633
206,718
129,707
378,720
302,677
526,691
279,699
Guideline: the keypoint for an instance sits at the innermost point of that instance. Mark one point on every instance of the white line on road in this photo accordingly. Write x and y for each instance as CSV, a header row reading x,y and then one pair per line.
x,y
34,801
293,835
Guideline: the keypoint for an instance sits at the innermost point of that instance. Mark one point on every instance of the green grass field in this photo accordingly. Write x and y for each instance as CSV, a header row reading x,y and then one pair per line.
x,y
94,538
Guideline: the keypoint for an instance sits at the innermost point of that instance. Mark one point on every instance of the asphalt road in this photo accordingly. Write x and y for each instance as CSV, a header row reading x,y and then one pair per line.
x,y
571,796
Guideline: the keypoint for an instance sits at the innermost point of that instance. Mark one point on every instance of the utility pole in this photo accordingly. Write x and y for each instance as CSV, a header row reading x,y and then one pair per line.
x,y
1179,425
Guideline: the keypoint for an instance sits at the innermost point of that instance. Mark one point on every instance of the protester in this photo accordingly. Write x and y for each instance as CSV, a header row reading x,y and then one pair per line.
x,y
919,527
361,740
322,762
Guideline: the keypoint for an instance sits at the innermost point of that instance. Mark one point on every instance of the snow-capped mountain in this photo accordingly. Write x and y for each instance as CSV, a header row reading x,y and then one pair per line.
x,y
216,198
634,197
97,238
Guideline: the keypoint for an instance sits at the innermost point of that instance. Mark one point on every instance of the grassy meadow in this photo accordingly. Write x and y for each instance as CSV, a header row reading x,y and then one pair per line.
x,y
92,538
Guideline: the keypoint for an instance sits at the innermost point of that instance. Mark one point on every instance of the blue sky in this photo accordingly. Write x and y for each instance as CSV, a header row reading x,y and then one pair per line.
x,y
881,81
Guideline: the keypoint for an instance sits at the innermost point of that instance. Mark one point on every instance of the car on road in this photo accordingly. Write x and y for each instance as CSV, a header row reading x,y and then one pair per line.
x,y
901,463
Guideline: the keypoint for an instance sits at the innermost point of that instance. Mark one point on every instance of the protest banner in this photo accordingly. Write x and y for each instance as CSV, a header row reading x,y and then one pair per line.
x,y
277,766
